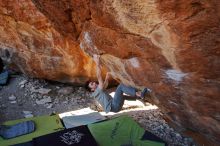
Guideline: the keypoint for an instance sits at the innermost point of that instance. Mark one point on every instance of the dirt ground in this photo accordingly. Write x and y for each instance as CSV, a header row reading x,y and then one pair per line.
x,y
26,100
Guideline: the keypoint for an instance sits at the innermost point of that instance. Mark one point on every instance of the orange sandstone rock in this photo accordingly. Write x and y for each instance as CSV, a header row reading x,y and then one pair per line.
x,y
173,47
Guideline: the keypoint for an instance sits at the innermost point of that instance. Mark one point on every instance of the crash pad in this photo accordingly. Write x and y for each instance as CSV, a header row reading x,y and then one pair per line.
x,y
120,131
77,136
80,117
44,125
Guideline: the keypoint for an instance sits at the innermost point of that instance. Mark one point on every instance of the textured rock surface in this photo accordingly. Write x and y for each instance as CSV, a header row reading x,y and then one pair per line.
x,y
173,47
170,46
29,40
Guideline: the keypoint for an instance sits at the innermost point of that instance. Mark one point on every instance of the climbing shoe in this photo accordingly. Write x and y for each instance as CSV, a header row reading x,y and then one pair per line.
x,y
145,92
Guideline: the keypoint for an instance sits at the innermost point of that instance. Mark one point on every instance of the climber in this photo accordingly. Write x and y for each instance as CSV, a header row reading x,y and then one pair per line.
x,y
104,99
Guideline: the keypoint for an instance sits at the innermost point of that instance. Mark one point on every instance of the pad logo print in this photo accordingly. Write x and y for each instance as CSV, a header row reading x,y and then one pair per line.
x,y
71,137
114,131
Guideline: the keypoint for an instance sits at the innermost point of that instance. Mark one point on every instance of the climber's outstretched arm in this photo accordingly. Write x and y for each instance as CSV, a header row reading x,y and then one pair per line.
x,y
98,71
106,80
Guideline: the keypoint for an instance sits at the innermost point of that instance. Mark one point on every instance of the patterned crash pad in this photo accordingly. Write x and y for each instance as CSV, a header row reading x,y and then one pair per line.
x,y
44,125
77,136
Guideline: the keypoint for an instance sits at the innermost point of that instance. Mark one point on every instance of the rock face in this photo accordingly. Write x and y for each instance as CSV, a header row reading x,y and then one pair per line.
x,y
40,48
170,46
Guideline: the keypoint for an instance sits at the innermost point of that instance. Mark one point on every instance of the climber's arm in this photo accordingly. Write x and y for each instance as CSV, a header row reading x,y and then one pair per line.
x,y
106,80
98,70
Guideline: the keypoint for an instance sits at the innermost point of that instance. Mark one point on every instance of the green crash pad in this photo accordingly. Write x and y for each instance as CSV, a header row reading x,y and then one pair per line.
x,y
121,131
44,125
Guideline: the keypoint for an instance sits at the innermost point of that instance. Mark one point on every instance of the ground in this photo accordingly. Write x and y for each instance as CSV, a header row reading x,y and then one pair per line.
x,y
25,97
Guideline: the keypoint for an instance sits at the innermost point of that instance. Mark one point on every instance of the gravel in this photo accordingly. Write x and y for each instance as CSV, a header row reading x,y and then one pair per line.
x,y
28,97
